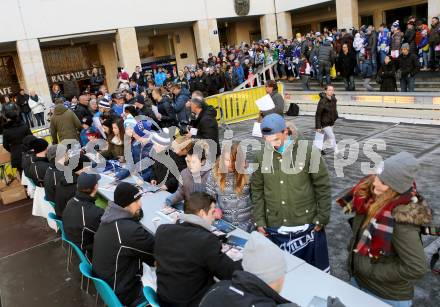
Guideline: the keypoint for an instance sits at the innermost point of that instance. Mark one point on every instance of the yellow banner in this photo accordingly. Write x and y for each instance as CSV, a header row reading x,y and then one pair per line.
x,y
237,106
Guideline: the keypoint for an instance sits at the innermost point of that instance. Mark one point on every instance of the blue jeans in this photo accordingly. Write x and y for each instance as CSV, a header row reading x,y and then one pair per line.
x,y
408,303
27,118
349,83
407,84
382,55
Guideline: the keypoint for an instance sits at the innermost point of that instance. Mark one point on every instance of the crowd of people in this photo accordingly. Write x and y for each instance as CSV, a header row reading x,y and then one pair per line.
x,y
158,118
269,204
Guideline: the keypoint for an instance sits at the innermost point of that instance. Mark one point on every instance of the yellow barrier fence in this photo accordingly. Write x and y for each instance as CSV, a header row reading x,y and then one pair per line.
x,y
237,106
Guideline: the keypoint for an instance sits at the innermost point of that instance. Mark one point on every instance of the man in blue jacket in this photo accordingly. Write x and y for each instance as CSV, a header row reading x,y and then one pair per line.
x,y
181,97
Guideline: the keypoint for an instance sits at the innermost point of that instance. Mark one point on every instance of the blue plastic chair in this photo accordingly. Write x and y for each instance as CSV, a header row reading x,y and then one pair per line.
x,y
151,296
102,288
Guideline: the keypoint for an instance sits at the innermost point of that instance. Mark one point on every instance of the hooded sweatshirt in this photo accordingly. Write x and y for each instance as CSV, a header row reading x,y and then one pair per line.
x,y
64,124
120,246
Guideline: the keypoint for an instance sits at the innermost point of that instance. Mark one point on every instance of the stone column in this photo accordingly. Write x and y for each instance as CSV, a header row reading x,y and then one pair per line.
x,y
107,58
32,68
268,27
284,21
347,14
128,51
206,37
377,18
184,43
433,9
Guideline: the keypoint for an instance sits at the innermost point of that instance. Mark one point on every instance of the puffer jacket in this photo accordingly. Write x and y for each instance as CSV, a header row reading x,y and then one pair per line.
x,y
189,185
236,207
326,53
36,104
64,124
326,112
434,35
120,246
393,277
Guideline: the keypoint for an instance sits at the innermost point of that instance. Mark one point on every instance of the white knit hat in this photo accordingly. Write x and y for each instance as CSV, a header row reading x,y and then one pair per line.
x,y
263,258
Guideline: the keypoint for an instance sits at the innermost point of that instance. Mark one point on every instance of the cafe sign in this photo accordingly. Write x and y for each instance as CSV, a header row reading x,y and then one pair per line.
x,y
9,89
83,74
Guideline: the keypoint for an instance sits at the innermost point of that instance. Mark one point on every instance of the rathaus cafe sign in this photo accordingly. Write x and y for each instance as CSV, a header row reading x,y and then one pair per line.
x,y
84,74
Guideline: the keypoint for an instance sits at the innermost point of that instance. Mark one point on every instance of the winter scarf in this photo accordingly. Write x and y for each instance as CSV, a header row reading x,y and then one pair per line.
x,y
376,238
34,98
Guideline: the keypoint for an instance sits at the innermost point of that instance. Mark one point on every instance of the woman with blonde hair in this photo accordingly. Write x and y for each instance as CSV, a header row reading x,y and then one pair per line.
x,y
386,255
229,183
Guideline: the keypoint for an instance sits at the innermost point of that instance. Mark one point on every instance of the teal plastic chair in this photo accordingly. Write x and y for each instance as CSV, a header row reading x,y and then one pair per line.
x,y
102,288
71,245
50,202
151,296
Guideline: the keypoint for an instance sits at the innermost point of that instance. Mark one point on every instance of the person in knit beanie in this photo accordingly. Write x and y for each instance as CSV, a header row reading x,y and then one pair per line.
x,y
260,282
386,256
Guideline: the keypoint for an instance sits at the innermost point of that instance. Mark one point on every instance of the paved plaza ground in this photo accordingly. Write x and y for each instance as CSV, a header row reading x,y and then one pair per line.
x,y
33,264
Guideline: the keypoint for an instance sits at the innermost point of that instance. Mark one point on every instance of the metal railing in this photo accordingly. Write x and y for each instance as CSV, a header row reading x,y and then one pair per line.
x,y
259,77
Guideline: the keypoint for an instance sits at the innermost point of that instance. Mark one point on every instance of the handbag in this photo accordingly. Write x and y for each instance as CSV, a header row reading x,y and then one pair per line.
x,y
333,72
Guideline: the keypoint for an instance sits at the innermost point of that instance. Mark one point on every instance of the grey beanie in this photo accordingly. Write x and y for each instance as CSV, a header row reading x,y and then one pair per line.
x,y
52,152
399,171
405,46
263,258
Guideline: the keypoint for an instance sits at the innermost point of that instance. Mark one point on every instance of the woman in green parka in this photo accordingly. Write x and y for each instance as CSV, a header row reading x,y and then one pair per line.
x,y
386,255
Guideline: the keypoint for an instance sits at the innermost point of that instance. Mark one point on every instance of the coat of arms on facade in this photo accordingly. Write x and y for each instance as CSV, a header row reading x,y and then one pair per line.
x,y
241,7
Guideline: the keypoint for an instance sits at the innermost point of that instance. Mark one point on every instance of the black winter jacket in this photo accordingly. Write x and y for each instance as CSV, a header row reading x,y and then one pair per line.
x,y
166,109
27,159
326,112
82,111
207,126
408,64
188,257
51,178
346,64
387,73
120,246
64,192
81,220
161,173
37,170
13,135
243,290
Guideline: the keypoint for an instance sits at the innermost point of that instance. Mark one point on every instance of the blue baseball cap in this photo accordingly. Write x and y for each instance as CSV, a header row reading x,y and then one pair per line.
x,y
272,124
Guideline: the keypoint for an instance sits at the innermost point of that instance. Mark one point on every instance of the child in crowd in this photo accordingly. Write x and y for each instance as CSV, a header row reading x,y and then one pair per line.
x,y
165,170
194,177
229,183
304,72
86,124
181,146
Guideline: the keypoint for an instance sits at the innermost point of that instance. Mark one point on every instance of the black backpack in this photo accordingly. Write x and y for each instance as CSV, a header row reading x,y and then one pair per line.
x,y
293,110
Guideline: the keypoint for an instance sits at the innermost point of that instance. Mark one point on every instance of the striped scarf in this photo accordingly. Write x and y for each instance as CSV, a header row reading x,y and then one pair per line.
x,y
376,238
